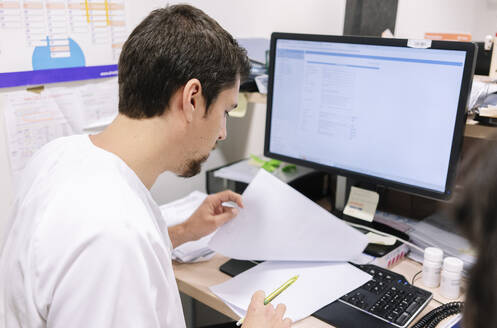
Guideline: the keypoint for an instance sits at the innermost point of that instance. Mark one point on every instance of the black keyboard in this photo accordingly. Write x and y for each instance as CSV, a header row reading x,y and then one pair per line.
x,y
388,299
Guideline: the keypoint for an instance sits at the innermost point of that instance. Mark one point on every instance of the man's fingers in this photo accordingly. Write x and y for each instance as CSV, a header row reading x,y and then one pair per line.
x,y
287,322
258,297
227,215
280,311
228,196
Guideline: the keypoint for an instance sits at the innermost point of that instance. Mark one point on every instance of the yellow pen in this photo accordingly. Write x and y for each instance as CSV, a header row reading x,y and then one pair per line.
x,y
273,295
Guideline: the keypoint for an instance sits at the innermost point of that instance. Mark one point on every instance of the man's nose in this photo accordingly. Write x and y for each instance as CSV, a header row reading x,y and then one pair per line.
x,y
223,133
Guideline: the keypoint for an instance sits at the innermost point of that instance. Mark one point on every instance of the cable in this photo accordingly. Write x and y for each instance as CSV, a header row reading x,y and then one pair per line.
x,y
385,234
433,318
414,278
441,303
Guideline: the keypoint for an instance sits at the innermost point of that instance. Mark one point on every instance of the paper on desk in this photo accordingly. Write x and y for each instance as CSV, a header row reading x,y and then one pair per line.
x,y
319,284
489,111
278,223
375,238
241,171
177,212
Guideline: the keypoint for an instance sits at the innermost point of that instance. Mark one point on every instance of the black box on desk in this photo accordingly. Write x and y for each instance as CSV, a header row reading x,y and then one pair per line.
x,y
313,184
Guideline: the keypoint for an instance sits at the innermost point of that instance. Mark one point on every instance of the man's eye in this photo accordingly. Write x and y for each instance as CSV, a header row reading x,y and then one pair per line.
x,y
226,114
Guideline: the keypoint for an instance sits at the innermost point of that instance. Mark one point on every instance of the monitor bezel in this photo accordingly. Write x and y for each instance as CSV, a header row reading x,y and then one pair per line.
x,y
467,78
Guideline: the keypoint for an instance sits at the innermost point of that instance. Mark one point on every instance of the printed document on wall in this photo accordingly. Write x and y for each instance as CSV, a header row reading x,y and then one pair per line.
x,y
90,106
100,102
31,120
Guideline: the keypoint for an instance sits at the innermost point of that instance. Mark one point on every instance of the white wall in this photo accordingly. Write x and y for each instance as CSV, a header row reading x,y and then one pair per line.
x,y
416,17
258,18
254,18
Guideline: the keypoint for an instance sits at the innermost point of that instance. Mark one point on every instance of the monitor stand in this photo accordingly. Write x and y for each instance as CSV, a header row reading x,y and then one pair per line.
x,y
343,186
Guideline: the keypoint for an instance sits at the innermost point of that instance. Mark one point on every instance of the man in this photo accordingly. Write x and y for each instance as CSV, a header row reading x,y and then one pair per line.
x,y
88,246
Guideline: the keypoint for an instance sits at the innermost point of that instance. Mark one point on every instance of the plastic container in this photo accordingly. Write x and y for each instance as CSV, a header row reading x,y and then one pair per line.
x,y
432,266
450,285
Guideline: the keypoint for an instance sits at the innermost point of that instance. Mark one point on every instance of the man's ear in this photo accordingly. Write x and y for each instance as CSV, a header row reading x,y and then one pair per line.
x,y
192,98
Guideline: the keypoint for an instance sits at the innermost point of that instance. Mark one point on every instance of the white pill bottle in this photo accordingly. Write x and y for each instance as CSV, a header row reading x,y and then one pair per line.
x,y
450,284
432,266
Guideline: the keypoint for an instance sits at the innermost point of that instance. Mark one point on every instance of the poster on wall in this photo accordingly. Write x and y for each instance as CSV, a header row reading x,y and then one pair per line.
x,y
47,41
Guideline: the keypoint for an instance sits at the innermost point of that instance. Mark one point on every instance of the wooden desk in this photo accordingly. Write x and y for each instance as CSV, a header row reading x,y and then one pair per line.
x,y
194,280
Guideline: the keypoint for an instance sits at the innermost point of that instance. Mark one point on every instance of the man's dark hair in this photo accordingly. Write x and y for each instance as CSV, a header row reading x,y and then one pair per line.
x,y
475,210
168,48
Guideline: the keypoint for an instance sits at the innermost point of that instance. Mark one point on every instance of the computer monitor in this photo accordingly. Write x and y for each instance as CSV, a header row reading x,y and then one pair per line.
x,y
386,111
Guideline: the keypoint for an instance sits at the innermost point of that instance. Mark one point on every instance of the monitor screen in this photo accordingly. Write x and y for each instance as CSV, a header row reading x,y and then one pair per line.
x,y
369,107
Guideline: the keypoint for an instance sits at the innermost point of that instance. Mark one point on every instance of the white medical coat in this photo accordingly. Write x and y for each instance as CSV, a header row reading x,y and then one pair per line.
x,y
87,245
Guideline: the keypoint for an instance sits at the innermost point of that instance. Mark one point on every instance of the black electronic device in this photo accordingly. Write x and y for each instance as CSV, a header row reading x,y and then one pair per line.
x,y
483,60
386,111
388,300
234,267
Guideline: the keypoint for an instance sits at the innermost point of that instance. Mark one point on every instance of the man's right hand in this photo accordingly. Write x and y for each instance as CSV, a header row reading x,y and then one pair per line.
x,y
265,316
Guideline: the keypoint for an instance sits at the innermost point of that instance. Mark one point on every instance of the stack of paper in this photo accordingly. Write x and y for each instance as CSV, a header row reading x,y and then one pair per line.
x,y
489,111
296,237
434,231
179,211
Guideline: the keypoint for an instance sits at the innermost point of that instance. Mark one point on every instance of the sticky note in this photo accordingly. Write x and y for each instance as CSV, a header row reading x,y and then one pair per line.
x,y
362,204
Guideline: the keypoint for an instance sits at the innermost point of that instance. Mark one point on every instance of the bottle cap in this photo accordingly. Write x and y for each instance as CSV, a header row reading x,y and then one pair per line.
x,y
453,264
434,254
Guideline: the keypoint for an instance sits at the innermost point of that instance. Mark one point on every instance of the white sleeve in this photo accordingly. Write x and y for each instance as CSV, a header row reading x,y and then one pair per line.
x,y
115,279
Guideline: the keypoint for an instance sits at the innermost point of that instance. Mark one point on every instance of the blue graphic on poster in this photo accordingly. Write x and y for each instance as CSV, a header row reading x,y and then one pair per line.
x,y
42,58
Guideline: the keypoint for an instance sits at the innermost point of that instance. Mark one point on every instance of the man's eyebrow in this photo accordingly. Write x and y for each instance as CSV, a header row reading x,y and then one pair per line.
x,y
234,106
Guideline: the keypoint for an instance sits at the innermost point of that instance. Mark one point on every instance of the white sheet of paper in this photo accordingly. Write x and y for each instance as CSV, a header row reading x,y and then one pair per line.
x,y
177,212
319,284
279,223
362,204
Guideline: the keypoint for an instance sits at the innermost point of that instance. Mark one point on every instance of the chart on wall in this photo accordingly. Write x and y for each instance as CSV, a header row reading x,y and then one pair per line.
x,y
47,41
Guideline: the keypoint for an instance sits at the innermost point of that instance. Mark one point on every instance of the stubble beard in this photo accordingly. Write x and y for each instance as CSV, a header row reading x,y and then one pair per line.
x,y
193,167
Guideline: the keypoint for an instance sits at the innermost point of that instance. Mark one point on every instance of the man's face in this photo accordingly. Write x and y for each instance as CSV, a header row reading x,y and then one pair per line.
x,y
208,129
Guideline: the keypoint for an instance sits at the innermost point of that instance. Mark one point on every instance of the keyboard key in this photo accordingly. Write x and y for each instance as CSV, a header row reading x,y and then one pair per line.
x,y
412,307
402,319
